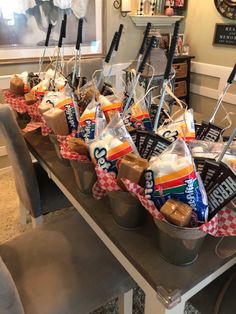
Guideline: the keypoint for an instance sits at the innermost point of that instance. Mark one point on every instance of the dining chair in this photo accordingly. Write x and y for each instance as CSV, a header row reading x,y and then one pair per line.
x,y
61,267
37,193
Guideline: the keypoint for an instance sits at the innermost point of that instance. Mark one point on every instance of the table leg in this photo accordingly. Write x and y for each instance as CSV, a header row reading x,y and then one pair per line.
x,y
154,306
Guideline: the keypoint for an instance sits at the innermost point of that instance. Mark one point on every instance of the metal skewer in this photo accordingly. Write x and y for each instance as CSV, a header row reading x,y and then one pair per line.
x,y
45,47
115,50
108,56
59,48
140,70
141,50
219,102
167,73
78,51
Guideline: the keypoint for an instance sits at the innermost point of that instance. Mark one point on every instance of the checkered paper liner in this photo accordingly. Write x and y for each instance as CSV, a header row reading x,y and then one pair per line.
x,y
107,180
66,152
222,224
98,192
18,103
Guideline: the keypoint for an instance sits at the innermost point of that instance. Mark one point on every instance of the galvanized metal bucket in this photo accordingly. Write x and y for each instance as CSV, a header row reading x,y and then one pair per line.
x,y
179,245
126,210
85,175
56,145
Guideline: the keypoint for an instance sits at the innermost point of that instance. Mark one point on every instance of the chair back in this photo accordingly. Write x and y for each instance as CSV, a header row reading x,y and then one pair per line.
x,y
18,153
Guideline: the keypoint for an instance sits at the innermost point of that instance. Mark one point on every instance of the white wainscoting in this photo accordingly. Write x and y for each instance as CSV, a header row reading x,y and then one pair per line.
x,y
212,70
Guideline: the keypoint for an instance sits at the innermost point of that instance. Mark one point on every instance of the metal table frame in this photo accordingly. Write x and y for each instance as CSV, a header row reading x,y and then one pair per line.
x,y
154,298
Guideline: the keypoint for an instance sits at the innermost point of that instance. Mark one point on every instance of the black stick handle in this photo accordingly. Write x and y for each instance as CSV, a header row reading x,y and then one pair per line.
x,y
172,50
119,36
113,43
79,34
64,26
48,35
61,34
147,53
232,75
146,33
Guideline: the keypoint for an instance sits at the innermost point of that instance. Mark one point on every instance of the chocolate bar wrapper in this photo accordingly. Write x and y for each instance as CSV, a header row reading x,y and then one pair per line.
x,y
140,139
199,163
201,130
223,191
210,132
159,146
153,112
211,167
198,127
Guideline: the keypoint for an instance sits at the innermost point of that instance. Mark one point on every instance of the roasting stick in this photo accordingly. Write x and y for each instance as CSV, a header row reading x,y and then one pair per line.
x,y
45,47
167,73
115,50
140,70
141,50
108,56
78,51
232,136
62,32
219,102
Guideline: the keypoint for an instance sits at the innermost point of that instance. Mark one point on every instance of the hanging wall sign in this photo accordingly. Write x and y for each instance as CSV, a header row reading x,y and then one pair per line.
x,y
225,34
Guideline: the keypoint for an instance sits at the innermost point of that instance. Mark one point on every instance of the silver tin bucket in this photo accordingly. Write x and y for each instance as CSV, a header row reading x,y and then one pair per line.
x,y
127,211
56,145
85,175
179,245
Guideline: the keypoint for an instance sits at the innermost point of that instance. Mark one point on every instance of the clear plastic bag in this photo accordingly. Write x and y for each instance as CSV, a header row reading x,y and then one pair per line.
x,y
112,144
172,175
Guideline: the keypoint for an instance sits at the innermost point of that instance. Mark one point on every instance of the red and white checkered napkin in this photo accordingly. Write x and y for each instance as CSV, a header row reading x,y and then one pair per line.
x,y
34,113
18,103
31,127
67,153
132,187
222,224
106,183
45,130
98,192
107,180
150,206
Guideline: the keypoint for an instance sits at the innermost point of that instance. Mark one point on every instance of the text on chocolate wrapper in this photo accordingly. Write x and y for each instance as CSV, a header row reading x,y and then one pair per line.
x,y
222,193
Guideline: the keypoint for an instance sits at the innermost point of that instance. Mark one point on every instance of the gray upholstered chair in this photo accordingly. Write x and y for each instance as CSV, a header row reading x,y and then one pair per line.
x,y
61,267
38,194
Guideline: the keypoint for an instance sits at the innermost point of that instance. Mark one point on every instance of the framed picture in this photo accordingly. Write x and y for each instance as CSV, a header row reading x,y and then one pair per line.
x,y
22,34
165,42
176,4
180,44
225,35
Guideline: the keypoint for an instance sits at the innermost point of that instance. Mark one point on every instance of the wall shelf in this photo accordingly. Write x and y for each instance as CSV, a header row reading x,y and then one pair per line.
x,y
156,20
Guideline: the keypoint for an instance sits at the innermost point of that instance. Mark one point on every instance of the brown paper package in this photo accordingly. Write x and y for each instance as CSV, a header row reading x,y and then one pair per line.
x,y
56,119
17,86
30,99
132,167
176,212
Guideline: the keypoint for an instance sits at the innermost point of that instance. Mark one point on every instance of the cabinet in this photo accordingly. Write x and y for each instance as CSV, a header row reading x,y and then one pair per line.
x,y
182,66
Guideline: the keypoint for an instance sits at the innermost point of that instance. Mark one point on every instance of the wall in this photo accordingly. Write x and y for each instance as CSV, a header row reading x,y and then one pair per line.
x,y
199,31
200,23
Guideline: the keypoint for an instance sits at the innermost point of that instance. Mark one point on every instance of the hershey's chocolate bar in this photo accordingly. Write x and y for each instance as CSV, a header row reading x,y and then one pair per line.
x,y
210,168
159,146
141,136
210,133
223,191
199,163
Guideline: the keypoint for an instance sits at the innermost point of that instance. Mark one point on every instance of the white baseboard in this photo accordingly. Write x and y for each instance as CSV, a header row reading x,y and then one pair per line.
x,y
3,151
212,70
5,170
